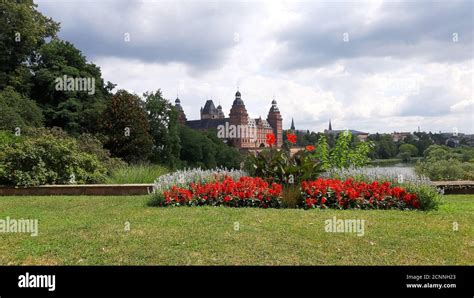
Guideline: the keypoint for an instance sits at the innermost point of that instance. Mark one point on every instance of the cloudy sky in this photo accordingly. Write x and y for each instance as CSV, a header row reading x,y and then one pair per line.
x,y
375,66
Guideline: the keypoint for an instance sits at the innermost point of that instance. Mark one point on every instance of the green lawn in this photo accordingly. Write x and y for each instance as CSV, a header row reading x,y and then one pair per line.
x,y
91,230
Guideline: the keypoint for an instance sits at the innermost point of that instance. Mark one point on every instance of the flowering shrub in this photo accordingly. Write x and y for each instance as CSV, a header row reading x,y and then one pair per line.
x,y
243,192
333,193
277,165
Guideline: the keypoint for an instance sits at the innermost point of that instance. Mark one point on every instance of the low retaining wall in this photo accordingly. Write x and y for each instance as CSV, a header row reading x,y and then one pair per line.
x,y
456,187
79,190
449,187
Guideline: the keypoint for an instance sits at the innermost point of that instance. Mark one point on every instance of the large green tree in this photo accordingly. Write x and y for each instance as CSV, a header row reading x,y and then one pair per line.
x,y
75,110
23,30
125,125
163,119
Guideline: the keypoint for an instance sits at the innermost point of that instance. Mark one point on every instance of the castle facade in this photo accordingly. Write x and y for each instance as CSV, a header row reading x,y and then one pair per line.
x,y
238,130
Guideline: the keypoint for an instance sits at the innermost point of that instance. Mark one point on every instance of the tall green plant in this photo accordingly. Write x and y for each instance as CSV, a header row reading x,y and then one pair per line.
x,y
342,156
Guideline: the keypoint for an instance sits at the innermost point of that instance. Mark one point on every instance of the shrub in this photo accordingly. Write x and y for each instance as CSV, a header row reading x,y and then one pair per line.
x,y
18,111
451,169
48,157
244,192
92,145
283,167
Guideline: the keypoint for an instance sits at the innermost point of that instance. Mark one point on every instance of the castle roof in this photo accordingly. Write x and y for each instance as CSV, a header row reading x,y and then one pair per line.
x,y
209,108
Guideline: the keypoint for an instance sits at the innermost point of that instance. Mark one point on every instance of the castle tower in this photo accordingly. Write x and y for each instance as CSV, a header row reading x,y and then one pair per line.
x,y
220,113
239,117
209,111
275,120
181,116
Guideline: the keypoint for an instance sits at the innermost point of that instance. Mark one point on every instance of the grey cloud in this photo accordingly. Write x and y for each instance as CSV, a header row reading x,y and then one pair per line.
x,y
404,30
197,33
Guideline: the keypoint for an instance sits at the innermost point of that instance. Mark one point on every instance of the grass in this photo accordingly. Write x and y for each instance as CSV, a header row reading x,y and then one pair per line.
x,y
140,173
91,231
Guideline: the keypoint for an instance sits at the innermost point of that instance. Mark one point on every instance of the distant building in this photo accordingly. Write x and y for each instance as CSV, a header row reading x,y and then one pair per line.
x,y
362,136
400,136
251,132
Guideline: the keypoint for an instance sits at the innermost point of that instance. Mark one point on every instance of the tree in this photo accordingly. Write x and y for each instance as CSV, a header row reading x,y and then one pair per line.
x,y
385,147
125,125
18,111
76,110
206,150
163,119
23,30
407,151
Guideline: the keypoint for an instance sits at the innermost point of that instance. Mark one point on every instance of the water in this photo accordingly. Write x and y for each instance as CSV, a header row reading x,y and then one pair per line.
x,y
406,169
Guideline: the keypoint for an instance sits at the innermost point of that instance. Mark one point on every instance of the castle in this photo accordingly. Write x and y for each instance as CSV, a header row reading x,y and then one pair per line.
x,y
238,130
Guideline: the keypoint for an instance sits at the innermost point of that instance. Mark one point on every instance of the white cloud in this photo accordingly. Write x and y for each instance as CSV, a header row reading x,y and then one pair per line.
x,y
393,78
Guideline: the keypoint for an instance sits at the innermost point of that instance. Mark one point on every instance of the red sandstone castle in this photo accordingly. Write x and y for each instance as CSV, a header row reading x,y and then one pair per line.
x,y
238,130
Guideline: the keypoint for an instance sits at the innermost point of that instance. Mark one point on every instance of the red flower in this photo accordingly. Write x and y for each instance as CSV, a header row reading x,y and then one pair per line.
x,y
310,148
291,138
227,199
270,139
323,200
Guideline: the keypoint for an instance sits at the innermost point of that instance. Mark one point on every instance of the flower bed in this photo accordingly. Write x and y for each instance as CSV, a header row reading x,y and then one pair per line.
x,y
242,192
349,194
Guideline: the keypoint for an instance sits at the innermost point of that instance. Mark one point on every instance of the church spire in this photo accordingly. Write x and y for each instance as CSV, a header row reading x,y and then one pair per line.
x,y
330,126
292,127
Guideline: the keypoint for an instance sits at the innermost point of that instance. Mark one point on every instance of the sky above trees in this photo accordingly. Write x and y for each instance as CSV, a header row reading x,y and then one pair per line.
x,y
378,66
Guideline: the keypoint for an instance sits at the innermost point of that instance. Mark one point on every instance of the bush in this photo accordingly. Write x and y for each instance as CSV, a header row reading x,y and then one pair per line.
x,y
48,157
92,145
244,192
445,163
18,111
451,169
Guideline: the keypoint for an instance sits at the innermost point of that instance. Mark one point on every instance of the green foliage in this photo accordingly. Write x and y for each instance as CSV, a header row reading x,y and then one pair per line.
x,y
163,119
90,144
342,155
445,163
125,125
427,195
48,157
139,173
206,150
282,167
23,30
407,151
18,111
446,170
74,111
384,148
